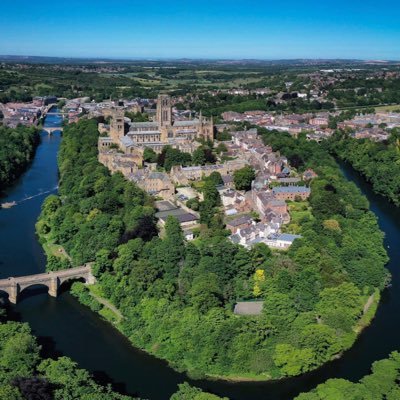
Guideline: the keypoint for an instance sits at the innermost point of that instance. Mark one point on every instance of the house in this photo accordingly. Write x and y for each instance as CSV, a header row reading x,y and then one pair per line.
x,y
228,181
239,223
154,183
281,241
319,121
166,209
265,202
291,192
309,174
256,233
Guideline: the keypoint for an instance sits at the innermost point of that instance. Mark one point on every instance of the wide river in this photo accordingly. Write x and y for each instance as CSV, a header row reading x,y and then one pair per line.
x,y
65,327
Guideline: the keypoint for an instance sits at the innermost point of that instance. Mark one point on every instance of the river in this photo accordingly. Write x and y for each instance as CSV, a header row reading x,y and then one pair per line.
x,y
65,327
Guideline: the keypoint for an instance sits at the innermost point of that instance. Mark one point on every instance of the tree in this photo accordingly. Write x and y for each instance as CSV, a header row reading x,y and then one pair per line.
x,y
20,355
198,157
216,178
210,192
243,177
187,392
293,361
194,204
205,293
149,155
8,392
322,340
34,388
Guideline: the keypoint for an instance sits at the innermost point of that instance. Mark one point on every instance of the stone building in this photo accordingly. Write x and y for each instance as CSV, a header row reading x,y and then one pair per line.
x,y
183,175
153,134
155,183
291,192
161,132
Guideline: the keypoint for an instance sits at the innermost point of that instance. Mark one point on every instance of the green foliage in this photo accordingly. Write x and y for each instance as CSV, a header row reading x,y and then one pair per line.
x,y
187,392
212,200
177,298
17,147
137,117
74,383
170,157
243,177
194,204
98,210
293,361
378,162
382,383
149,155
80,291
23,372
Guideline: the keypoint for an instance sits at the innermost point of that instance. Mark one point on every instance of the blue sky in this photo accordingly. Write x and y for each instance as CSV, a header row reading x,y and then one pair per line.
x,y
261,29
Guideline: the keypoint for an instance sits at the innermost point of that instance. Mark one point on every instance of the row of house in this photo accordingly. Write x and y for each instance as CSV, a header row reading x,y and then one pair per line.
x,y
269,203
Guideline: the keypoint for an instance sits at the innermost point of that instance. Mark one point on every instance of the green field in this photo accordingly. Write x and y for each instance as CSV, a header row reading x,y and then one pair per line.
x,y
395,107
299,212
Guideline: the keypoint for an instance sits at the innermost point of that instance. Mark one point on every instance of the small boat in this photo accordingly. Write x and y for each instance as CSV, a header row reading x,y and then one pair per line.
x,y
9,204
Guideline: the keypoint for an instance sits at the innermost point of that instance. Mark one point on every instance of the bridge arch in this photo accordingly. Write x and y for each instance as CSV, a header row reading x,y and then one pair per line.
x,y
34,285
4,294
52,280
50,131
66,283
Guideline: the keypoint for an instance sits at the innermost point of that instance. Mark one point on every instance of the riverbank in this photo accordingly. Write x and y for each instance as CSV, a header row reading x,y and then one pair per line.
x,y
378,163
92,297
18,147
313,300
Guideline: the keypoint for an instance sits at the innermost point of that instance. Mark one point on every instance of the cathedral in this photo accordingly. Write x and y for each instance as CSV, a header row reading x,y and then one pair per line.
x,y
161,132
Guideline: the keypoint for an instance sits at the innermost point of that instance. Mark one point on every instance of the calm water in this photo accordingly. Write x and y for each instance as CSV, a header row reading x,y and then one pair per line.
x,y
66,327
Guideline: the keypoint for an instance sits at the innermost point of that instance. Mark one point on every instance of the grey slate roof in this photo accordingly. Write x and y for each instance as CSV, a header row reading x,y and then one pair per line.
x,y
149,124
248,307
291,189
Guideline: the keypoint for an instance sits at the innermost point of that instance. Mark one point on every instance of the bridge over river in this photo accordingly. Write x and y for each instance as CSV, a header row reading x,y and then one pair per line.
x,y
50,130
53,280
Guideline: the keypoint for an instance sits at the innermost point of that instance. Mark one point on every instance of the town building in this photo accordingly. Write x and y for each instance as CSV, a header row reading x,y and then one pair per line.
x,y
291,192
164,130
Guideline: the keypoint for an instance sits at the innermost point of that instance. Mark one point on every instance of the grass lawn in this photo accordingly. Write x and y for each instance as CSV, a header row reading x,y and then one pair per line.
x,y
55,250
299,211
109,311
388,108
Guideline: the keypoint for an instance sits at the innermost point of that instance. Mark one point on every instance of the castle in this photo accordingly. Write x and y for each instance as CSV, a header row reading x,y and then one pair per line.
x,y
156,134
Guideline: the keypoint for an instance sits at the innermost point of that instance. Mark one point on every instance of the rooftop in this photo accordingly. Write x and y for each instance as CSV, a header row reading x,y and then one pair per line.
x,y
248,307
291,189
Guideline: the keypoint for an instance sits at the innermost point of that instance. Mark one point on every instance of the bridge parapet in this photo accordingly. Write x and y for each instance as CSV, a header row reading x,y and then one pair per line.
x,y
51,130
13,286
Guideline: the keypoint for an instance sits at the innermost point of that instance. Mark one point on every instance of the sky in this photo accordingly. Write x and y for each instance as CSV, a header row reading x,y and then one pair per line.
x,y
261,29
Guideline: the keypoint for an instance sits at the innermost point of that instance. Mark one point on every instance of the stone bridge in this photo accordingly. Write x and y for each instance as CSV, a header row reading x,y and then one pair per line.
x,y
53,280
51,130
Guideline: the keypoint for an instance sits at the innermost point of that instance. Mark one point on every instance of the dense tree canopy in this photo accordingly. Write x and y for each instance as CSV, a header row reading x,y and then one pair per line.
x,y
378,162
381,384
177,298
17,147
25,375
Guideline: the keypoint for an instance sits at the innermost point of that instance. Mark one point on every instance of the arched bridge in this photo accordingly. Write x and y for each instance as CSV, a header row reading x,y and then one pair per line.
x,y
53,280
51,130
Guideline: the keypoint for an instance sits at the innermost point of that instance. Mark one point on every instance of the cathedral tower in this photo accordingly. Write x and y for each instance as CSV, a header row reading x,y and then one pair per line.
x,y
164,110
117,126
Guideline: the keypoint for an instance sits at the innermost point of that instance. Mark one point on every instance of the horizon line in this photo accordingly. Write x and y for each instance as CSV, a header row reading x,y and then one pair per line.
x,y
159,58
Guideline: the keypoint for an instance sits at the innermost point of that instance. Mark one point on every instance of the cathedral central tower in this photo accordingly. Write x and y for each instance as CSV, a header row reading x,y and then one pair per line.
x,y
164,110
